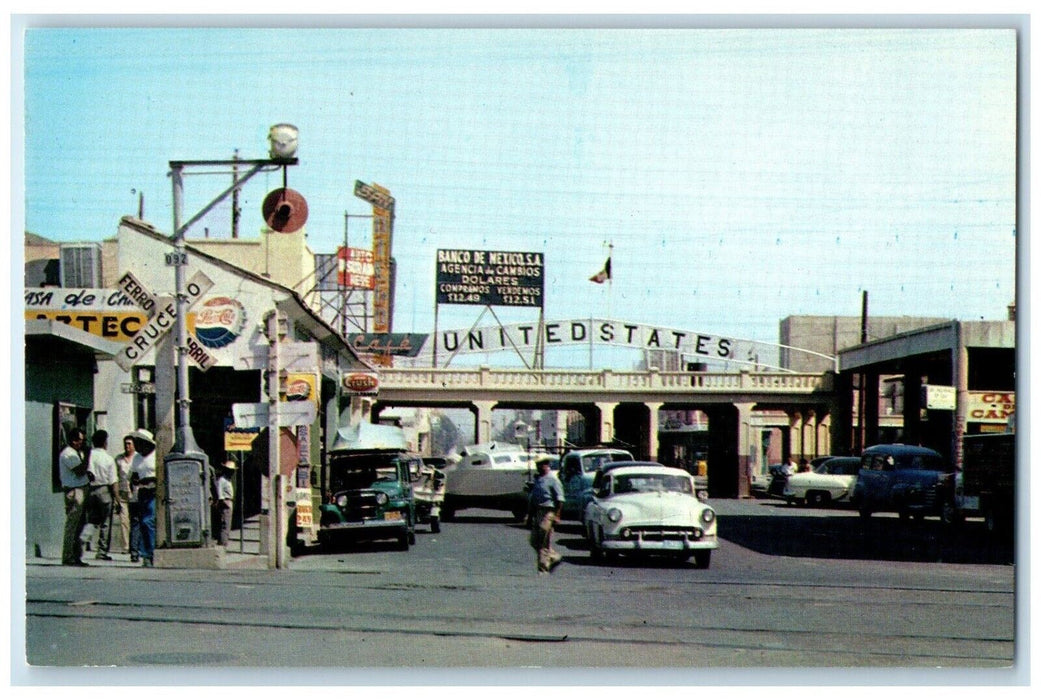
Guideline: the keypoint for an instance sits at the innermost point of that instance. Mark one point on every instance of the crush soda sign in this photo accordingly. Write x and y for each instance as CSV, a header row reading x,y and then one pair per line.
x,y
219,321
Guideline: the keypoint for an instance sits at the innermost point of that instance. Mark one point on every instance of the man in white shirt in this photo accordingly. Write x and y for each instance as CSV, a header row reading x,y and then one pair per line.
x,y
225,501
72,469
101,470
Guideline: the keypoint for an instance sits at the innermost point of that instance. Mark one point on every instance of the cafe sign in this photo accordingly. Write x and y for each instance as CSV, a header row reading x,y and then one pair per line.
x,y
990,406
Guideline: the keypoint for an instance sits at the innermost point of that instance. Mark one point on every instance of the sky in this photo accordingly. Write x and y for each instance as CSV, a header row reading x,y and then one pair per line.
x,y
735,177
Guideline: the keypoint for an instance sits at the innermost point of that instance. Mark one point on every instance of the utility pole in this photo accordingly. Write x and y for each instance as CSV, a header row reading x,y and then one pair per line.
x,y
275,529
186,456
236,211
858,443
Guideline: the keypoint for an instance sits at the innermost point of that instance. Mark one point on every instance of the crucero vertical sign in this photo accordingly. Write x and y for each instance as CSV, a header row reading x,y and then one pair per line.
x,y
490,278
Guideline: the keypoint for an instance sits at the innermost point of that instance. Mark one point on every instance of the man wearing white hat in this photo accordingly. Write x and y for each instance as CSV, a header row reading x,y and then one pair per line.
x,y
142,476
225,501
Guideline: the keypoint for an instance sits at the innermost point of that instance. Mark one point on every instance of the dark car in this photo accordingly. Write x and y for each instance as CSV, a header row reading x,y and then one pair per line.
x,y
905,479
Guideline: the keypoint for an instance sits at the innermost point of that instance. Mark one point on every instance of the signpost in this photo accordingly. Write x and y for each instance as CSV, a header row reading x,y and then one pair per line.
x,y
258,415
939,398
162,312
292,357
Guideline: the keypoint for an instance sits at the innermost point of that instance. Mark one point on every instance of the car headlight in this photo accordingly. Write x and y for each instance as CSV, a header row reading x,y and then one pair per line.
x,y
708,516
614,515
341,500
381,499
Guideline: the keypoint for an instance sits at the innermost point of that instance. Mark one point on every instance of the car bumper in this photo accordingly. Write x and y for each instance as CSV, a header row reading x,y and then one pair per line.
x,y
640,543
369,527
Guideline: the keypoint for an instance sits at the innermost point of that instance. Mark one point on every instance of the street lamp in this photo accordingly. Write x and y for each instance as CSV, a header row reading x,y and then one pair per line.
x,y
186,454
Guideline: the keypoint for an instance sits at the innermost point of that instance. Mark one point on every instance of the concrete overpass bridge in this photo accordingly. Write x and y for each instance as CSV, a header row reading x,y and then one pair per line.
x,y
624,405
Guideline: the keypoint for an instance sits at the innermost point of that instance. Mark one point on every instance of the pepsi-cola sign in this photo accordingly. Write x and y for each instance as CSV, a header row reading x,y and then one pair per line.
x,y
219,321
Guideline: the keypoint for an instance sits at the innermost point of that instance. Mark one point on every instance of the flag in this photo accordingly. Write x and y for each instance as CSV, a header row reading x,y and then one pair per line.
x,y
603,275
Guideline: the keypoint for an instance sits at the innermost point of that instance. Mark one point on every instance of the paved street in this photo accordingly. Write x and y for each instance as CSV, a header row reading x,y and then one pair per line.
x,y
789,587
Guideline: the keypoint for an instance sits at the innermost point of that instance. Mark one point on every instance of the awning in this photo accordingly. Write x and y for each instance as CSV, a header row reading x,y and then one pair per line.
x,y
57,329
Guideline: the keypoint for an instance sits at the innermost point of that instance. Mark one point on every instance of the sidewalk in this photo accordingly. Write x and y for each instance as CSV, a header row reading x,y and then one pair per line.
x,y
242,552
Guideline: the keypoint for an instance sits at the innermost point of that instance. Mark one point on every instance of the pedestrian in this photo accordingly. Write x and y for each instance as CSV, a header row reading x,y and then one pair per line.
x,y
72,466
225,501
544,504
142,478
121,506
101,470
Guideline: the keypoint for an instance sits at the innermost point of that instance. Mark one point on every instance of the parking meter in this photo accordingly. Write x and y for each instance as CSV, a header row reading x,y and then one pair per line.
x,y
187,500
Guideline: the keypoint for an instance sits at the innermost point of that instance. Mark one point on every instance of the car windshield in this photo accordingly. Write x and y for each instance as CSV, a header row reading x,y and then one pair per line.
x,y
349,473
645,483
590,463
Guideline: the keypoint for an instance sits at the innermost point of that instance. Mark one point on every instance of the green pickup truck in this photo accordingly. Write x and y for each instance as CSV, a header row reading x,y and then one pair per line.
x,y
364,491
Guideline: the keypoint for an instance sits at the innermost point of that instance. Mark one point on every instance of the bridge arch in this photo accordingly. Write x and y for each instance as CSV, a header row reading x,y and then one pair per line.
x,y
625,406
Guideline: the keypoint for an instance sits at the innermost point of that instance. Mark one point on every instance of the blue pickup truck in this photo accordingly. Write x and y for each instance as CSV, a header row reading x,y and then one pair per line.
x,y
577,469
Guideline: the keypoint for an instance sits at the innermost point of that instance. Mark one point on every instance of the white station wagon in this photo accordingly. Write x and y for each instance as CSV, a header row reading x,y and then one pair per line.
x,y
650,509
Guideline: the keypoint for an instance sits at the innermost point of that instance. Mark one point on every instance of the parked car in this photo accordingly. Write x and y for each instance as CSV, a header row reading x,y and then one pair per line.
x,y
577,470
905,479
831,481
650,509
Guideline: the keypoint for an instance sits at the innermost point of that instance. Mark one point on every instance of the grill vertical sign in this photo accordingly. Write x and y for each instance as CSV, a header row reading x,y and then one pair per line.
x,y
382,233
162,311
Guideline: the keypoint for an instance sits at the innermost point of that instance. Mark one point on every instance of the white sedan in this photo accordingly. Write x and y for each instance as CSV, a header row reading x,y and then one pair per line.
x,y
830,482
650,509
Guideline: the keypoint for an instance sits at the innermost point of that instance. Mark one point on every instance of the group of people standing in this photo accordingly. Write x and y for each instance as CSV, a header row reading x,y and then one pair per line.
x,y
107,492
99,489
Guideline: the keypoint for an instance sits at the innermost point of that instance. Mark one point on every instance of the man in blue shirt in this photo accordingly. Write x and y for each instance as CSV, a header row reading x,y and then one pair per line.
x,y
545,502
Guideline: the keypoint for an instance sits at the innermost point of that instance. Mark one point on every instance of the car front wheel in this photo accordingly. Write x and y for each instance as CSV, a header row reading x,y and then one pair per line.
x,y
702,558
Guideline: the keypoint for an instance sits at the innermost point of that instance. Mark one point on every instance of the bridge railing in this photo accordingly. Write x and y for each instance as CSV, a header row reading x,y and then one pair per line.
x,y
605,380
